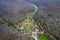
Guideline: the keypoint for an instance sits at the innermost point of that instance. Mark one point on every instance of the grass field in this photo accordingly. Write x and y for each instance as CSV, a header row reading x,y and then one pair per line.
x,y
42,37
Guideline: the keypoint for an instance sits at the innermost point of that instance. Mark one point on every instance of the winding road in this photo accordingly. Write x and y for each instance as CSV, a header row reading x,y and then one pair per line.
x,y
35,9
32,13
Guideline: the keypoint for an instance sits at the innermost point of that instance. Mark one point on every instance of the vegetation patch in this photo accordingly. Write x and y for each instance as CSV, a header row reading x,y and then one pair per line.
x,y
42,37
3,21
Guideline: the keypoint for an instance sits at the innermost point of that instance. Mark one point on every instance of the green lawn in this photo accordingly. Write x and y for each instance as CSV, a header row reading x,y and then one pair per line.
x,y
27,30
33,39
42,37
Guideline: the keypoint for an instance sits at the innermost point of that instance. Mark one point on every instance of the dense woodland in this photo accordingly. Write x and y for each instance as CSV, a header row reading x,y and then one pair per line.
x,y
19,18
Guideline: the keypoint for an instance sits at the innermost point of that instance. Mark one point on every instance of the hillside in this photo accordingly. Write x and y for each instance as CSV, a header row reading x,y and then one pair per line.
x,y
29,19
48,17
